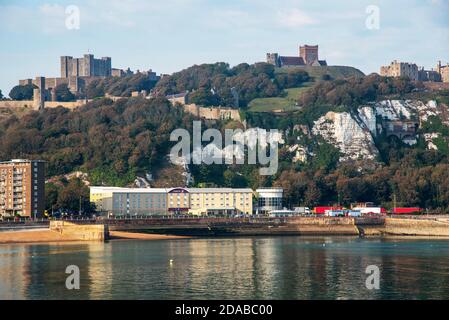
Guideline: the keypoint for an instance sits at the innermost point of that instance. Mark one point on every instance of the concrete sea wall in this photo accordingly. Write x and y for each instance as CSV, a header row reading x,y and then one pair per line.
x,y
243,227
85,232
416,227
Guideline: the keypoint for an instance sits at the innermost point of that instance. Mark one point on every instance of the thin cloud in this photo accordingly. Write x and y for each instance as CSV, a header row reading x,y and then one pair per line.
x,y
295,18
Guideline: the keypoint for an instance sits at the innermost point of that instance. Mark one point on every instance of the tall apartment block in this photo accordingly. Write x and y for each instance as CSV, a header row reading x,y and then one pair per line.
x,y
22,188
87,66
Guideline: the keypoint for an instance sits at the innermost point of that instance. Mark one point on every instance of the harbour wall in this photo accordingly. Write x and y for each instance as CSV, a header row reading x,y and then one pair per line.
x,y
98,230
84,232
241,227
416,227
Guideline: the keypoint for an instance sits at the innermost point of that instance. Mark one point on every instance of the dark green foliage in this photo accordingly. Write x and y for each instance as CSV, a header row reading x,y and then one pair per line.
x,y
420,178
355,91
68,196
119,87
326,157
22,92
434,124
113,141
292,79
63,93
250,82
204,97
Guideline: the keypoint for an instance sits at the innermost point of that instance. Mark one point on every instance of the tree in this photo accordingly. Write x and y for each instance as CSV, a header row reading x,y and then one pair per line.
x,y
74,196
63,93
51,196
204,97
22,92
1,95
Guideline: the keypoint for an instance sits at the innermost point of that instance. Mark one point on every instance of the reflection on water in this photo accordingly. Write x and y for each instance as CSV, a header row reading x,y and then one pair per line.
x,y
237,268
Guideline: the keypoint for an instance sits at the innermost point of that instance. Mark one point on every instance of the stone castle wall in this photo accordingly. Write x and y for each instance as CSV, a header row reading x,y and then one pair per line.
x,y
29,104
212,113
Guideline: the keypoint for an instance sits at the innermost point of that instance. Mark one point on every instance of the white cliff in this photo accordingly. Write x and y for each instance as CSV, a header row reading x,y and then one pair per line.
x,y
340,129
353,134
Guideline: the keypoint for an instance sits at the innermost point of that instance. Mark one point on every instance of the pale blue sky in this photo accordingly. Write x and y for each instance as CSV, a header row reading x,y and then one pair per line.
x,y
169,35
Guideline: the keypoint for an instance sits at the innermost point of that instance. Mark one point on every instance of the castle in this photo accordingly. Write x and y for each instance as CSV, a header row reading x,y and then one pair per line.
x,y
308,56
87,66
413,72
77,73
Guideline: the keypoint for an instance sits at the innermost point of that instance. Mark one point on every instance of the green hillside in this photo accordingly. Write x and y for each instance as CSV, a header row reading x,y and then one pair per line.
x,y
317,73
286,103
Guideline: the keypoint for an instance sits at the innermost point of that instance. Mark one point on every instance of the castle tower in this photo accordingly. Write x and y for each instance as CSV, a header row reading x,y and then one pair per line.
x,y
273,58
439,67
309,54
39,94
65,69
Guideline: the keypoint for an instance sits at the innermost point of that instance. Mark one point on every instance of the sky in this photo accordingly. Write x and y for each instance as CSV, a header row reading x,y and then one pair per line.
x,y
170,35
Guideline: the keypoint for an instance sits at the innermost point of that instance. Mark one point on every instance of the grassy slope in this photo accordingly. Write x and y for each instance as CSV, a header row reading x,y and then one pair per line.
x,y
336,72
288,102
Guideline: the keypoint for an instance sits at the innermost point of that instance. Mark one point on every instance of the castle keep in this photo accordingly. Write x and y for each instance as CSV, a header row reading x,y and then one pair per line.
x,y
87,66
308,56
413,72
77,73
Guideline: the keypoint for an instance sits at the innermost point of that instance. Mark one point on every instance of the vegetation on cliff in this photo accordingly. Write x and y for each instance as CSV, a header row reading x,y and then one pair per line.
x,y
213,83
111,140
119,86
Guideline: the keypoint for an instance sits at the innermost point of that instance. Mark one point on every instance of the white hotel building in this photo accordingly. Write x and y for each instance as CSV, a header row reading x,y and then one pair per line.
x,y
163,201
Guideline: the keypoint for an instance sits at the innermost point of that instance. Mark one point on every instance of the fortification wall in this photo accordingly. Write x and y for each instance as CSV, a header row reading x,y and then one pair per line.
x,y
29,104
17,104
212,113
68,105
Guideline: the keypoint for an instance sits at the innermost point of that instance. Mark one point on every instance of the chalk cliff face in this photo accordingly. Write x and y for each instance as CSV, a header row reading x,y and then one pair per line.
x,y
399,110
354,134
354,140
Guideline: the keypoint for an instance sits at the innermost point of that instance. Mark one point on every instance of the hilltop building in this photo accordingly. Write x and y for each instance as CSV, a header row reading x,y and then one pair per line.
x,y
443,71
308,56
412,71
400,69
87,66
22,188
77,73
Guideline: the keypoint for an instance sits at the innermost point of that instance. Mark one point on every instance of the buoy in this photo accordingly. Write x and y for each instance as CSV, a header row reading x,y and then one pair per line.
x,y
171,262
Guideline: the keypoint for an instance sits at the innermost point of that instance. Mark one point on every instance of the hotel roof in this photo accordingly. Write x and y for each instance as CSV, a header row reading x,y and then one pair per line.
x,y
166,190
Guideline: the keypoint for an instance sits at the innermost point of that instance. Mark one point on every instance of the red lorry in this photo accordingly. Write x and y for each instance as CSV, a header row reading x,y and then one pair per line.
x,y
322,210
406,210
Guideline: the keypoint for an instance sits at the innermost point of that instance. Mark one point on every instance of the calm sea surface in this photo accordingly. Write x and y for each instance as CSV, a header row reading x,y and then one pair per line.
x,y
237,268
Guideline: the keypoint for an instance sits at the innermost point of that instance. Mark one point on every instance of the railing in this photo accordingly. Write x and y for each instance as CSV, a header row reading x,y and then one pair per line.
x,y
190,218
